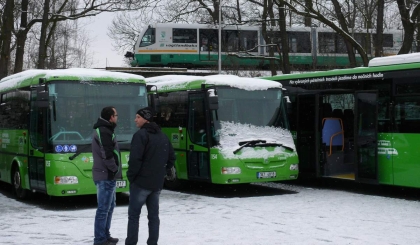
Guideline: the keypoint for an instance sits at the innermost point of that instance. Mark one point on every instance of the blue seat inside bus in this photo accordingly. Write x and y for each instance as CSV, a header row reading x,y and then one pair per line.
x,y
332,133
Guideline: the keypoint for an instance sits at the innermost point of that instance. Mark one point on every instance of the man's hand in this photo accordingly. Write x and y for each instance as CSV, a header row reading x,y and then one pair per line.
x,y
169,174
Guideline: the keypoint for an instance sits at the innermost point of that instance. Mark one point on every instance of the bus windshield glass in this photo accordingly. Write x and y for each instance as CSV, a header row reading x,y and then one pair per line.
x,y
257,108
76,106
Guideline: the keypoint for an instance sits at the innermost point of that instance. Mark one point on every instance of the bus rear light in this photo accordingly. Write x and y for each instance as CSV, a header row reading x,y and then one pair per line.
x,y
62,180
231,170
294,166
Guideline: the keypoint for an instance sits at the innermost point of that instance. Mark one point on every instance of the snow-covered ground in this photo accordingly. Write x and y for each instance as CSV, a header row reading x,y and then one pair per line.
x,y
278,214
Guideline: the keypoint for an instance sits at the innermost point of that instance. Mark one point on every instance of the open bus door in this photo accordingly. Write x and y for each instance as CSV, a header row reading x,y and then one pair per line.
x,y
198,160
366,116
307,134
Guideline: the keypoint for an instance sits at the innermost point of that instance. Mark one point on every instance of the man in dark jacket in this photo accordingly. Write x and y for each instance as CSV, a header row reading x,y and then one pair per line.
x,y
106,169
151,157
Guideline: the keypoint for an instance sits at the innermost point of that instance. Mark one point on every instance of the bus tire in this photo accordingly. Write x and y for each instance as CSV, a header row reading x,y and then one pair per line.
x,y
173,183
19,191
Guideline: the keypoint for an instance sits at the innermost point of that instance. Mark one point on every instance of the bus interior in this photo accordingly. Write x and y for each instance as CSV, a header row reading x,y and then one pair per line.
x,y
335,133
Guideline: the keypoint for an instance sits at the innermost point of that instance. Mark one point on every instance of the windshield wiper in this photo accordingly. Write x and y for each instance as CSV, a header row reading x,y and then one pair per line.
x,y
278,144
246,143
79,150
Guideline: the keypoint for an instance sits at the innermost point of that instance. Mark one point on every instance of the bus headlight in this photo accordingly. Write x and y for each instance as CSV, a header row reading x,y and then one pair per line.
x,y
231,170
60,180
294,166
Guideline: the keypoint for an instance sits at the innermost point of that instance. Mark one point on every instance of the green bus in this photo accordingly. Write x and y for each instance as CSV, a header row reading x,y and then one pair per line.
x,y
224,129
361,124
46,125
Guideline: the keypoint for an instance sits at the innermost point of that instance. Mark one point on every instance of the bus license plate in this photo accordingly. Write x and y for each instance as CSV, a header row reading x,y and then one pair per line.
x,y
261,175
121,184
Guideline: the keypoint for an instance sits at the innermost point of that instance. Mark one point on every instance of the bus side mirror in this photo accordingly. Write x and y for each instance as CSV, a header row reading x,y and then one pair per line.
x,y
154,102
212,99
288,104
42,96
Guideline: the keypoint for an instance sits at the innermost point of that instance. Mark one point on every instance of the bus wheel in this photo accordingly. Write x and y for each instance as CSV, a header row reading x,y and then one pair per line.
x,y
173,183
17,185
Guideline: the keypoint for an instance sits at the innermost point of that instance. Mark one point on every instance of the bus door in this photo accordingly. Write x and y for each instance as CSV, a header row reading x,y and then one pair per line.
x,y
198,160
366,155
38,143
208,45
307,134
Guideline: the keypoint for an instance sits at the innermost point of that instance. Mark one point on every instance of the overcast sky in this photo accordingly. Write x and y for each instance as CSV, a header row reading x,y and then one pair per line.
x,y
101,46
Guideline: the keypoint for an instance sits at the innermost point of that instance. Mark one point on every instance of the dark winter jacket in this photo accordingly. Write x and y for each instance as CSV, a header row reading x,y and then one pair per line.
x,y
105,151
150,155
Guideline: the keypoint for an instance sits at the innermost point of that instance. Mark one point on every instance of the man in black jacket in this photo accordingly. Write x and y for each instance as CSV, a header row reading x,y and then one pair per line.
x,y
151,157
106,169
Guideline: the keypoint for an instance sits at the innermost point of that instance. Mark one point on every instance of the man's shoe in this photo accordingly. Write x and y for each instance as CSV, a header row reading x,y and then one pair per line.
x,y
113,240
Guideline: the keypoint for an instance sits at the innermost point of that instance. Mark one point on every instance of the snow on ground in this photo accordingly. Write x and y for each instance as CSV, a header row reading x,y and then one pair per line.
x,y
283,215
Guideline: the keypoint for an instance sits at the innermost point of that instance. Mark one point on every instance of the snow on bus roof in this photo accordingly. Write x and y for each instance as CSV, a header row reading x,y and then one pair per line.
x,y
181,81
83,74
395,59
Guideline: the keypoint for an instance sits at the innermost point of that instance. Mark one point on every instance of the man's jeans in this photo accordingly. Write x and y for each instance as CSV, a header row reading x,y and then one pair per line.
x,y
138,197
106,203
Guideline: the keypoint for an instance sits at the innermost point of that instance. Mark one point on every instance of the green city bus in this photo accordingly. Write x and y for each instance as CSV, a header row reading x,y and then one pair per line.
x,y
224,129
46,125
361,124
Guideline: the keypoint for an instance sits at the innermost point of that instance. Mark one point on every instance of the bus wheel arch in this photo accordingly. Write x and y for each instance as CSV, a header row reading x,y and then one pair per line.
x,y
173,183
18,190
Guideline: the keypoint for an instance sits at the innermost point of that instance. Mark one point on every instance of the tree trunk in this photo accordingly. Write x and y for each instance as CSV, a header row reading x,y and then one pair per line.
x,y
21,37
408,25
42,53
343,24
380,29
284,39
308,20
6,37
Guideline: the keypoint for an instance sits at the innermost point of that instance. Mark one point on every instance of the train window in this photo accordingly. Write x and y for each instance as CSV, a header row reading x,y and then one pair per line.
x,y
326,42
365,40
299,42
340,45
184,35
387,42
331,43
148,37
248,41
208,40
230,41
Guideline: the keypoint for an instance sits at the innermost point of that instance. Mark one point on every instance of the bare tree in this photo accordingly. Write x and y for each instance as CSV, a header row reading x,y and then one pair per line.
x,y
6,37
409,22
379,29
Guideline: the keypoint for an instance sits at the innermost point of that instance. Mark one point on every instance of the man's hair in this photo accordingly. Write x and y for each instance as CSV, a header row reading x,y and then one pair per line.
x,y
107,112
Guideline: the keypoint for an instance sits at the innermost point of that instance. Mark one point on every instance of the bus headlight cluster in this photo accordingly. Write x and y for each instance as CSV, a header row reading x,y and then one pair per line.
x,y
294,166
59,180
231,170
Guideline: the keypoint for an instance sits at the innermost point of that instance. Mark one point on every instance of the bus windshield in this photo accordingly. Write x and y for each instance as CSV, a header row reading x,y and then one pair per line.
x,y
257,108
76,106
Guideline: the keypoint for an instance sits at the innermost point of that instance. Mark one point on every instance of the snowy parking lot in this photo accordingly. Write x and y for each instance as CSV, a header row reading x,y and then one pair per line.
x,y
248,215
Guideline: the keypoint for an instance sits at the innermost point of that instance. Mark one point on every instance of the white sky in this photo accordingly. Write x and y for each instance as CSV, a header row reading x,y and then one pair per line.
x,y
101,45
290,215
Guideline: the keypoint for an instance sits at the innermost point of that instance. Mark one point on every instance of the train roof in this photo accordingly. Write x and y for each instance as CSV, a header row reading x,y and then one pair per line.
x,y
189,82
247,27
30,77
202,26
